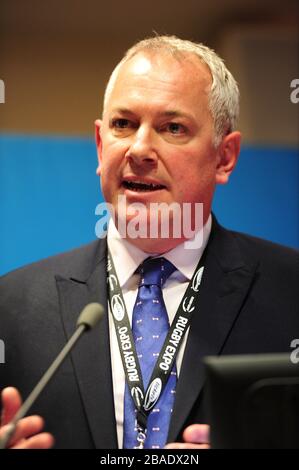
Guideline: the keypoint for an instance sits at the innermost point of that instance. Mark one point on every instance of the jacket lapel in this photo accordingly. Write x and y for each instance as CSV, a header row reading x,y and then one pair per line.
x,y
226,282
91,357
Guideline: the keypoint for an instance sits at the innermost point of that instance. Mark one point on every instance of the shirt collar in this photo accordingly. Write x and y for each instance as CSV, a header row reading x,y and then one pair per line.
x,y
127,257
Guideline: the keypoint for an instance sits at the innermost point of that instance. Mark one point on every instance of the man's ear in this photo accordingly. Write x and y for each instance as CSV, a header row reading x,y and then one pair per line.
x,y
227,157
98,124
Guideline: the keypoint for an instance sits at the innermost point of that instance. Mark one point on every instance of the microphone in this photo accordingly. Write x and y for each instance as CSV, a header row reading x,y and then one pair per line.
x,y
88,318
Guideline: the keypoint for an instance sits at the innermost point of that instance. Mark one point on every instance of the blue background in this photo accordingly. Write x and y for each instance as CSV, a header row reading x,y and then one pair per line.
x,y
49,191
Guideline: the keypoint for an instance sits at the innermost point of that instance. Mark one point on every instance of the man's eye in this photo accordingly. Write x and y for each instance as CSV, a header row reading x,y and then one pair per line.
x,y
175,128
120,123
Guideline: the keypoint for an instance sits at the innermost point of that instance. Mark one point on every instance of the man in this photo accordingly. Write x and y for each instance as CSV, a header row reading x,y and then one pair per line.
x,y
167,136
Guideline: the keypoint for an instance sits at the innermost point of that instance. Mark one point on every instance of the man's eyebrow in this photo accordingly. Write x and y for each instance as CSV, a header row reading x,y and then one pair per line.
x,y
176,113
122,111
169,113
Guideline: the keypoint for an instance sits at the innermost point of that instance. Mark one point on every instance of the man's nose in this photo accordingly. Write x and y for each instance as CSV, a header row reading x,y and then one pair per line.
x,y
142,147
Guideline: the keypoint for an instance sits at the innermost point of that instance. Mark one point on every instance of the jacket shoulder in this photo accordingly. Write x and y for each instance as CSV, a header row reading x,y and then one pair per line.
x,y
40,275
266,250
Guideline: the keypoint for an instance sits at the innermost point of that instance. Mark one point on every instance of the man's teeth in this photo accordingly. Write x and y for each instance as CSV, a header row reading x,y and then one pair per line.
x,y
140,186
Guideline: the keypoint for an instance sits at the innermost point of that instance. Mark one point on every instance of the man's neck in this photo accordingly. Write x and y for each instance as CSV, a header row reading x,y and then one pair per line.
x,y
159,246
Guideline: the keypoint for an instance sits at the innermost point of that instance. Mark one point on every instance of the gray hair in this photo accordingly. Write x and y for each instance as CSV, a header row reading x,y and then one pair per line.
x,y
224,92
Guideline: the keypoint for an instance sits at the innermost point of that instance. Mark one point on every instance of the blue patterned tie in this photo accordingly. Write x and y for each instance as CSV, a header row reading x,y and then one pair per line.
x,y
150,326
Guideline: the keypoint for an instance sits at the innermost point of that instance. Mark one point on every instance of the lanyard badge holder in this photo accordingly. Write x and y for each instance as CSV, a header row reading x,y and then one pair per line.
x,y
142,399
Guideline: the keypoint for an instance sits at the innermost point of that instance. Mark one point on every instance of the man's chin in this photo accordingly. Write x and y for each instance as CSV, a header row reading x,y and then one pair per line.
x,y
155,246
158,229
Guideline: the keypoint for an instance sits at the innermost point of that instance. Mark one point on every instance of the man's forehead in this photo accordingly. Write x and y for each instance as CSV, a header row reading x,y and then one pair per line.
x,y
139,64
151,69
159,75
144,61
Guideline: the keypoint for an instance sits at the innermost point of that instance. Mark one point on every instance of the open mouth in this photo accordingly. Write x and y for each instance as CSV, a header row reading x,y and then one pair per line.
x,y
141,187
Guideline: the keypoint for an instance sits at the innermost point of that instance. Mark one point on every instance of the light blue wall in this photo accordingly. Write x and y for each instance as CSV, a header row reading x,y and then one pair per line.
x,y
49,191
262,197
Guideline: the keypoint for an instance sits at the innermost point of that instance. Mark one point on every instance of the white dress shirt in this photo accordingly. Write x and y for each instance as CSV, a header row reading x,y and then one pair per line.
x,y
127,258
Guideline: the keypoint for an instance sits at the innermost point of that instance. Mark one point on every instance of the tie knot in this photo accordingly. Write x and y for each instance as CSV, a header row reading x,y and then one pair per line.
x,y
155,271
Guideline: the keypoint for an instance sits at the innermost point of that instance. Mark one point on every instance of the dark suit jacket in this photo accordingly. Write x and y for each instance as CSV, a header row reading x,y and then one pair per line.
x,y
248,304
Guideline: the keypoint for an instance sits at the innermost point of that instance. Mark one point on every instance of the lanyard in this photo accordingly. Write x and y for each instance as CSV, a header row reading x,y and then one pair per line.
x,y
144,400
